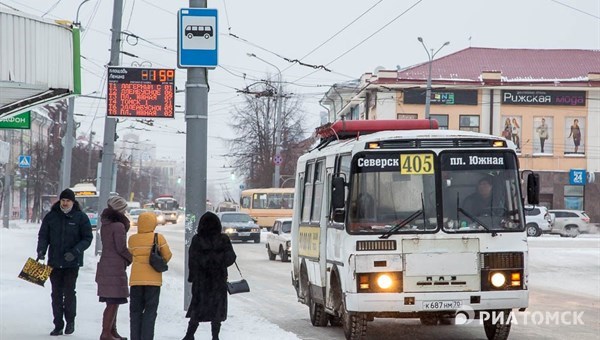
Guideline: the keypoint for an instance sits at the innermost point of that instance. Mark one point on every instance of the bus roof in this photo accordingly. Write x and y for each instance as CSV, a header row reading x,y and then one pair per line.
x,y
268,190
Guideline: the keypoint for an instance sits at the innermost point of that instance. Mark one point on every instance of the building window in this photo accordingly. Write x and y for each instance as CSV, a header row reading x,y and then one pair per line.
x,y
574,197
406,116
469,123
442,121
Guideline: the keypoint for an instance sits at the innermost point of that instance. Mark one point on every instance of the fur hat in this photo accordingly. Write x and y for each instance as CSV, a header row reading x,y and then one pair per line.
x,y
117,203
209,224
67,194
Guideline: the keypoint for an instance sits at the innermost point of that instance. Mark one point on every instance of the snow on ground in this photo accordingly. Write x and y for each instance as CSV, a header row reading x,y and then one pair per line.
x,y
569,265
26,313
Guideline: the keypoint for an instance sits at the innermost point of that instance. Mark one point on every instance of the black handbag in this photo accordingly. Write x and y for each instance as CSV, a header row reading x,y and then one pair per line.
x,y
156,260
240,286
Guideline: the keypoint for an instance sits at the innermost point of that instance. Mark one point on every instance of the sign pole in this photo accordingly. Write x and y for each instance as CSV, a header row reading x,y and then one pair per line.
x,y
110,125
196,117
7,187
65,173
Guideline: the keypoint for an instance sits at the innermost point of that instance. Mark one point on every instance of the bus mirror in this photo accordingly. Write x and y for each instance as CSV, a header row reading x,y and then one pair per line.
x,y
339,215
533,189
338,193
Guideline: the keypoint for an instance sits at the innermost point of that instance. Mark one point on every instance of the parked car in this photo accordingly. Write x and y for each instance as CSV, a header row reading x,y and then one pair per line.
x,y
240,226
570,223
538,220
279,240
160,217
133,215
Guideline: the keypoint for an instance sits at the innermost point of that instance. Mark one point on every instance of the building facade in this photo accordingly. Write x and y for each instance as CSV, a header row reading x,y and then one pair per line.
x,y
545,101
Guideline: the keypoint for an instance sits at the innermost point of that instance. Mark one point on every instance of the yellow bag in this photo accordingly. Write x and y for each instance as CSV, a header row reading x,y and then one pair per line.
x,y
35,272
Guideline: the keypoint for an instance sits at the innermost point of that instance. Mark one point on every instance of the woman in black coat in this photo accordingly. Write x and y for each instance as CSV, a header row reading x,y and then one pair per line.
x,y
209,256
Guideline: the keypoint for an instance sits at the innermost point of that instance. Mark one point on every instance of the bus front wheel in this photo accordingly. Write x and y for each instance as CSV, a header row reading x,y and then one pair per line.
x,y
355,324
497,325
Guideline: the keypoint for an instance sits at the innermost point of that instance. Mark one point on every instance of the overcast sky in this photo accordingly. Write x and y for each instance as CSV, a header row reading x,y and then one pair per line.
x,y
292,29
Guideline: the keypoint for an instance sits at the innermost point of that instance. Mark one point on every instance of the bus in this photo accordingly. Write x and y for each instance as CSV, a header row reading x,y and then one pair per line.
x,y
384,226
87,196
169,207
267,204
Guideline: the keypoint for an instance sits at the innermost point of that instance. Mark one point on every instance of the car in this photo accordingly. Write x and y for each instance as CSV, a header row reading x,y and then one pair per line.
x,y
133,215
239,226
160,217
538,220
279,240
570,223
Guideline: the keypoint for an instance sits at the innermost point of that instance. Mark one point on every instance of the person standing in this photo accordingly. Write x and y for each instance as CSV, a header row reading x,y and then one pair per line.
x,y
145,282
111,274
65,233
210,254
576,134
542,131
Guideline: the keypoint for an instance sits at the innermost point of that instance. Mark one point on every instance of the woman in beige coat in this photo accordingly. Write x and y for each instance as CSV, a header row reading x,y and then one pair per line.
x,y
145,282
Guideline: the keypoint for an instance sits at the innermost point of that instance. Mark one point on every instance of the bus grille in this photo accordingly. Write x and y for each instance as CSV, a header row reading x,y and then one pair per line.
x,y
502,260
376,245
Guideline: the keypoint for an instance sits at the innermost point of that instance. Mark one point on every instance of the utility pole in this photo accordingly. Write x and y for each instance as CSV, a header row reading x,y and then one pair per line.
x,y
196,117
430,56
110,124
90,173
7,186
65,165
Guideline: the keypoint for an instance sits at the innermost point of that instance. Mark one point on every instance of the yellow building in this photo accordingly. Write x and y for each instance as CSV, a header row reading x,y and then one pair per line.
x,y
546,101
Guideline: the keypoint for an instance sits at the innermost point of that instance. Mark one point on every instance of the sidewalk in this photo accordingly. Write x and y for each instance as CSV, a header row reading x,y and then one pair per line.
x,y
25,310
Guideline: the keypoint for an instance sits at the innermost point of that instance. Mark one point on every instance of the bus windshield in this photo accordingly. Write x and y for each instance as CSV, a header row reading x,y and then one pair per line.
x,y
167,204
480,192
392,190
88,204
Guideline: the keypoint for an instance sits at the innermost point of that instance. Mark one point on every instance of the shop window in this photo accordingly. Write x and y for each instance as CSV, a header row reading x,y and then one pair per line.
x,y
469,123
442,121
574,197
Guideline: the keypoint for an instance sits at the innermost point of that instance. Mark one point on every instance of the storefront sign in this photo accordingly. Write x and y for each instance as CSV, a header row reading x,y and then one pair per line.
x,y
567,98
577,177
20,121
454,97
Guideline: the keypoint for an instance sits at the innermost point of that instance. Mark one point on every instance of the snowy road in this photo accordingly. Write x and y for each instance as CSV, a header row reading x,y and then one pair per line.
x,y
565,281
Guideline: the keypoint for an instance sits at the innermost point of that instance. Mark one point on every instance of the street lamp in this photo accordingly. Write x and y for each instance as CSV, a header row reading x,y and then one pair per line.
x,y
431,56
277,157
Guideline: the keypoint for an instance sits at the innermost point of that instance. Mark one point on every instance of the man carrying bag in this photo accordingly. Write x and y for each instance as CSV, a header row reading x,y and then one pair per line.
x,y
65,233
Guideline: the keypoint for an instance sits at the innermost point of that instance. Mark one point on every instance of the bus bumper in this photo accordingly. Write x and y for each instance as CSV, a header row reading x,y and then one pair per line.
x,y
436,302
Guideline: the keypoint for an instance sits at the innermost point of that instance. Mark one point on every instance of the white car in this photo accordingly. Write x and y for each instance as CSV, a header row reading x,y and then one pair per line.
x,y
279,240
134,214
570,223
538,220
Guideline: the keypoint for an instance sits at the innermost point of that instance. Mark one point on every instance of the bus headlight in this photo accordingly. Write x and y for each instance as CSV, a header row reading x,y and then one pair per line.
x,y
384,281
498,279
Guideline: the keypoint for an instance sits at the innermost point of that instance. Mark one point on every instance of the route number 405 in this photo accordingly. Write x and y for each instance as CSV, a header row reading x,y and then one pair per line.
x,y
416,164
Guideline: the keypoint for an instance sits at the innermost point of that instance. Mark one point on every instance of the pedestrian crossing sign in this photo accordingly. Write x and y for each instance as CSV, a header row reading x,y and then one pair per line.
x,y
24,161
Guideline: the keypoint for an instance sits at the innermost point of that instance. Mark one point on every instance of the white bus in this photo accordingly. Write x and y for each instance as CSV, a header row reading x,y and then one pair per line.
x,y
387,224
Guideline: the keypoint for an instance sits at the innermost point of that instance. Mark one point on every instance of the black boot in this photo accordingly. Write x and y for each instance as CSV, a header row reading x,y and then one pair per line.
x,y
70,328
191,330
215,327
57,331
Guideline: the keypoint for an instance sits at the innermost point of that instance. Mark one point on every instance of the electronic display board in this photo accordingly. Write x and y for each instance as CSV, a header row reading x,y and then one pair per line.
x,y
140,92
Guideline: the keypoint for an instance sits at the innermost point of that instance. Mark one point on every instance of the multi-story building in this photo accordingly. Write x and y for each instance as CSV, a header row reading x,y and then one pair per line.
x,y
546,101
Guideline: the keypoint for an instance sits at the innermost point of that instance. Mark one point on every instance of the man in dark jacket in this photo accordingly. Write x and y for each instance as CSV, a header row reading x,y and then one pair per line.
x,y
65,232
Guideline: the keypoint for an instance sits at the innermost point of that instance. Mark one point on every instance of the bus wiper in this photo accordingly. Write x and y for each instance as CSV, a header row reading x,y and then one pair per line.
x,y
473,218
402,224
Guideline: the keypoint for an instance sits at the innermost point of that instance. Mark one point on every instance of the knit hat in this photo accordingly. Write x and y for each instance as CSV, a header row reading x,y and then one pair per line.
x,y
118,203
67,194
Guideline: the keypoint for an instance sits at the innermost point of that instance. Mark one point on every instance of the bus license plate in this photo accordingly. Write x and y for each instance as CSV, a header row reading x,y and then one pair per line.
x,y
441,304
244,234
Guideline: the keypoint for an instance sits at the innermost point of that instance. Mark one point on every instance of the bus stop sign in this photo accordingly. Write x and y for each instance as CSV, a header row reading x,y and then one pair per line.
x,y
197,38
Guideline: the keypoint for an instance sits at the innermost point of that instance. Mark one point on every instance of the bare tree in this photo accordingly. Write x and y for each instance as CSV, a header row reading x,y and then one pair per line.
x,y
254,125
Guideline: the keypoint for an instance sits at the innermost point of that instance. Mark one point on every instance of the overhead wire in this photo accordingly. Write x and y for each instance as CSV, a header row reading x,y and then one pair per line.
x,y
365,39
51,8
